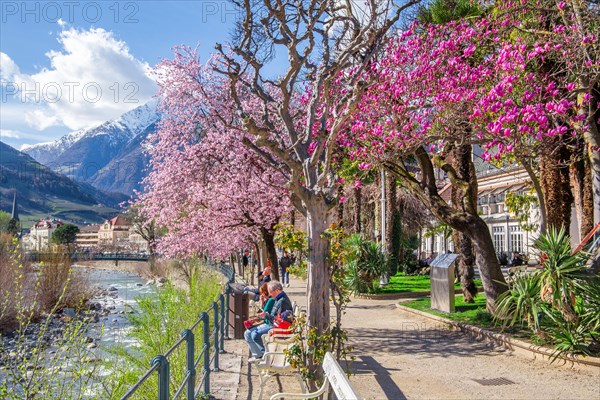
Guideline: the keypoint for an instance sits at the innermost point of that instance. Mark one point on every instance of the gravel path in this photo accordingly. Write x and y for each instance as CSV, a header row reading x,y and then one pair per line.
x,y
400,355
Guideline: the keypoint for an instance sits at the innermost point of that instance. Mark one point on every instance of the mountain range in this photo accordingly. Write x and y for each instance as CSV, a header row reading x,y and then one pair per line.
x,y
108,157
42,192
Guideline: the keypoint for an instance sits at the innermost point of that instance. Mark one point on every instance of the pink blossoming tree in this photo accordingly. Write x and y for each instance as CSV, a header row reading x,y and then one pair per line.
x,y
212,193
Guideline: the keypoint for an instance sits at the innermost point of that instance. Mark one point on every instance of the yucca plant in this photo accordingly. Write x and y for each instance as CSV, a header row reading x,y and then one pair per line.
x,y
589,292
366,262
521,302
568,336
560,272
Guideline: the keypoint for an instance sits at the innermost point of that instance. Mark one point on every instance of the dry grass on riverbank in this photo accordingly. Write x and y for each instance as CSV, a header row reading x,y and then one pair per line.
x,y
27,291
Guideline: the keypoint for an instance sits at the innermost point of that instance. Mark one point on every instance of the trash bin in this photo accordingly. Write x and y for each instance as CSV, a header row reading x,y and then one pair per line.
x,y
238,309
442,282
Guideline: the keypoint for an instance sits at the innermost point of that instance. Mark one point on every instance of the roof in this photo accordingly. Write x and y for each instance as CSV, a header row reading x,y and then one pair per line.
x,y
48,223
89,229
118,220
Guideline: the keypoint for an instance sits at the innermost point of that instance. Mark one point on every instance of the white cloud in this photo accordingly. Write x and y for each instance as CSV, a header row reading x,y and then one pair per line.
x,y
8,68
93,78
16,134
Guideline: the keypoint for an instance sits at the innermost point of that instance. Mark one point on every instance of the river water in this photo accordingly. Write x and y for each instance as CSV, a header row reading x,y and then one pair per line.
x,y
123,287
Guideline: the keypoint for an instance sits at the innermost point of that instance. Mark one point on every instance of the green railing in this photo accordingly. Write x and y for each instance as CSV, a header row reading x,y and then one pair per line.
x,y
208,355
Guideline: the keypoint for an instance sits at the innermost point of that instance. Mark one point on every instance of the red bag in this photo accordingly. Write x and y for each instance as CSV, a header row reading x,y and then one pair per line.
x,y
251,323
283,320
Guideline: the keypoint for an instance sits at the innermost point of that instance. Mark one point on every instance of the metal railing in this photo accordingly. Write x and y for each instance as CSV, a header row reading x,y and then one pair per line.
x,y
212,345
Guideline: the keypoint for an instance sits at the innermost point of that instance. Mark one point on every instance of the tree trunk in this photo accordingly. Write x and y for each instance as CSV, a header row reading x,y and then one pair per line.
x,y
357,209
465,200
318,273
466,263
556,186
581,182
392,225
269,238
592,140
487,261
467,222
340,207
537,187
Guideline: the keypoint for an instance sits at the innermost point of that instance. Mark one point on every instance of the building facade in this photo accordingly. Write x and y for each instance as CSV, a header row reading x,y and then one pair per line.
x,y
39,236
114,232
87,238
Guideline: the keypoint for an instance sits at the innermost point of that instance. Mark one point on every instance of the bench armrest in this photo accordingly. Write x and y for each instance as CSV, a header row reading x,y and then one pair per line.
x,y
322,390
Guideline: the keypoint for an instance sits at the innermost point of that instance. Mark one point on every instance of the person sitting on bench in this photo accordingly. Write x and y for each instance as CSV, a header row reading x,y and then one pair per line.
x,y
254,335
517,260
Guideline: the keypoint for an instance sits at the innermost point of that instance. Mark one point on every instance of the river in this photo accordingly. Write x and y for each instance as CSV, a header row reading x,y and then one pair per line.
x,y
123,288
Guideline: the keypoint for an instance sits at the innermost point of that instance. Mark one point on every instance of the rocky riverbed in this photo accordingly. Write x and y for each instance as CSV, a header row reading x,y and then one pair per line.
x,y
104,319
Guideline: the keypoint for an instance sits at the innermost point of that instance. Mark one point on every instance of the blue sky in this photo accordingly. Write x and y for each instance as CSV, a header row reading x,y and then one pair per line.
x,y
68,65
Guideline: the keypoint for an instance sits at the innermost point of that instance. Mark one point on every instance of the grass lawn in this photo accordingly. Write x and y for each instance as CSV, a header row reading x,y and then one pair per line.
x,y
401,283
471,313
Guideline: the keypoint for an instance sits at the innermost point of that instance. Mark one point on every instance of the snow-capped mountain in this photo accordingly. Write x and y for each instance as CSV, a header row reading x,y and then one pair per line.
x,y
91,154
46,152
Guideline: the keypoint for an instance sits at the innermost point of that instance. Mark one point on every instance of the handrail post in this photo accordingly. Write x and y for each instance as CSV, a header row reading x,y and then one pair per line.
x,y
163,376
206,349
222,322
189,338
216,336
227,311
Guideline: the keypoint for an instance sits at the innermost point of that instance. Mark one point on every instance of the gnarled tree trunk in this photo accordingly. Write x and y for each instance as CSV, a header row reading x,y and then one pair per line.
x,y
465,200
465,221
268,236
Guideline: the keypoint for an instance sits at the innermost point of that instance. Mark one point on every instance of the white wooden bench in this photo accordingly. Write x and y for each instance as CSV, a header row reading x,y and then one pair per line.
x,y
335,378
274,361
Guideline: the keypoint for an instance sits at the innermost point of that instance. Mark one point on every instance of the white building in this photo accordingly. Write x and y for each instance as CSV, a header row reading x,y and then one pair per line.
x,y
39,236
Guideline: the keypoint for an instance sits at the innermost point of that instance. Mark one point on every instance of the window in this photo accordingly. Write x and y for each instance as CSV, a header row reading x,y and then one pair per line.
x,y
498,237
515,238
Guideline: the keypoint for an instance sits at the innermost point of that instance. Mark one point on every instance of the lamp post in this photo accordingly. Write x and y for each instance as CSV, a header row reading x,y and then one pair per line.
x,y
507,236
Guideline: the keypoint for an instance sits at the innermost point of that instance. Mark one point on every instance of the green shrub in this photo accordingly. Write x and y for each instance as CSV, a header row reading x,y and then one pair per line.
x,y
365,262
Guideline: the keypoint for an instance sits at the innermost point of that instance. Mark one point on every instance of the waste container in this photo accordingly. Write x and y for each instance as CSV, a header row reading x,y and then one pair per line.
x,y
238,309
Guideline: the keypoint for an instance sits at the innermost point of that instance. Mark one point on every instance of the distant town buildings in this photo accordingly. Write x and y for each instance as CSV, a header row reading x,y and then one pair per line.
x,y
116,234
114,231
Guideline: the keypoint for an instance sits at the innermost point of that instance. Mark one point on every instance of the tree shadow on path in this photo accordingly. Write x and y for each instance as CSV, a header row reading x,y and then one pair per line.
x,y
368,365
418,339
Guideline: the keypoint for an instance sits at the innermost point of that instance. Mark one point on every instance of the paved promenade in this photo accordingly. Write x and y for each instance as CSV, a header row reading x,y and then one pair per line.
x,y
400,355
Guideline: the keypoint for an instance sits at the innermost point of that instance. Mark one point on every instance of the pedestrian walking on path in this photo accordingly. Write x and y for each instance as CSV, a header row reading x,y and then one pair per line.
x,y
284,264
